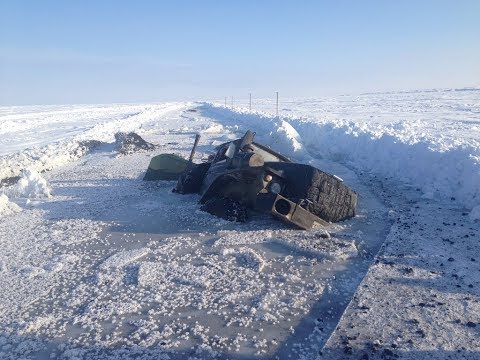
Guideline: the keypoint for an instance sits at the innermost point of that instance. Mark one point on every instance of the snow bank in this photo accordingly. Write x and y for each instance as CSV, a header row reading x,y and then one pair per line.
x,y
7,207
31,185
448,169
43,159
47,137
288,139
452,172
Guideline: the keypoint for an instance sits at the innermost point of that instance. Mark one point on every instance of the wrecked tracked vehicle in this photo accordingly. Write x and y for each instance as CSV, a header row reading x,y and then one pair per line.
x,y
244,175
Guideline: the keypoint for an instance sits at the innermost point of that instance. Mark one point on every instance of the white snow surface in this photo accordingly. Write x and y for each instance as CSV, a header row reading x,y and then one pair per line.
x,y
101,265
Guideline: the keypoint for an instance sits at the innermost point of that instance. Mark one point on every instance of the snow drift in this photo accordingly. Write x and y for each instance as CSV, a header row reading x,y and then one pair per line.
x,y
30,185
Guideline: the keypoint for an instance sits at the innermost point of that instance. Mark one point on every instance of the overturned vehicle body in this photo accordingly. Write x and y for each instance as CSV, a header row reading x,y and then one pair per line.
x,y
245,176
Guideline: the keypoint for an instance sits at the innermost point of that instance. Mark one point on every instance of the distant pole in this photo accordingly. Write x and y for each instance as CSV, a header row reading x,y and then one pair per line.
x,y
277,103
232,102
225,101
250,101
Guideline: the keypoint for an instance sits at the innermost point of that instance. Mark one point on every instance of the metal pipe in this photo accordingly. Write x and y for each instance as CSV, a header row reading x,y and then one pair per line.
x,y
192,153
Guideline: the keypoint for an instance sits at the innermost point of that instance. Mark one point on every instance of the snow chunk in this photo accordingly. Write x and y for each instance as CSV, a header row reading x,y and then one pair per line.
x,y
247,257
214,129
321,244
475,213
115,268
287,140
31,185
428,195
179,273
30,271
123,258
235,238
39,322
7,207
58,263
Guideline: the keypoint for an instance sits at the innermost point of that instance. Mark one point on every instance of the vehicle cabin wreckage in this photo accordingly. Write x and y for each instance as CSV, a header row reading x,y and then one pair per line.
x,y
244,176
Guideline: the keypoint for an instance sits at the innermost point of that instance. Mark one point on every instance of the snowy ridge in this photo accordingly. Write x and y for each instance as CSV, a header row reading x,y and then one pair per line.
x,y
46,137
444,170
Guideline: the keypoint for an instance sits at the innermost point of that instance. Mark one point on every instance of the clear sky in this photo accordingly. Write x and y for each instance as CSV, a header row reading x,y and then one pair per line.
x,y
100,51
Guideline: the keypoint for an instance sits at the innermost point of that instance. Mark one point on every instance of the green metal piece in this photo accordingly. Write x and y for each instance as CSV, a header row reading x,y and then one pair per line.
x,y
165,167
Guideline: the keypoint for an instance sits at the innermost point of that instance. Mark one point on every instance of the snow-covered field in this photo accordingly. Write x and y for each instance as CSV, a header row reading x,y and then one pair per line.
x,y
96,263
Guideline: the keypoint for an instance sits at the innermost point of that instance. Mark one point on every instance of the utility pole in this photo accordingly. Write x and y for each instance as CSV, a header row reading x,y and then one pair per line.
x,y
225,101
250,101
277,103
232,102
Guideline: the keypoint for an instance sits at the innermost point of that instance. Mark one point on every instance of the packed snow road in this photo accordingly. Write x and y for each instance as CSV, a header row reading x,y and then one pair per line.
x,y
97,263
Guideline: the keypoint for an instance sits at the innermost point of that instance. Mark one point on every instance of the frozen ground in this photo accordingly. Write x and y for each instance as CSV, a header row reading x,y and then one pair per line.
x,y
95,263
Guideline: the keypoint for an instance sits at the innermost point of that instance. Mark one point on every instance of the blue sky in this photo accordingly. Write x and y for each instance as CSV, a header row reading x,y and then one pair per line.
x,y
54,52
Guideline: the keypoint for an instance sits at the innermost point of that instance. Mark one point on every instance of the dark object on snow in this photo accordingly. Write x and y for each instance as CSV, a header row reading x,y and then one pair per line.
x,y
131,142
225,208
244,175
12,180
90,146
171,166
192,153
189,181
